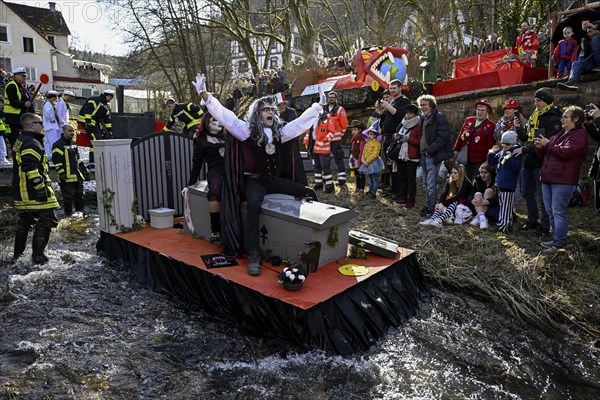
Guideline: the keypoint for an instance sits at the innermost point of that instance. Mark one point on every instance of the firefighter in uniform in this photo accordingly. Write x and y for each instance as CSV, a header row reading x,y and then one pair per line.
x,y
70,169
338,122
94,117
18,101
188,113
33,196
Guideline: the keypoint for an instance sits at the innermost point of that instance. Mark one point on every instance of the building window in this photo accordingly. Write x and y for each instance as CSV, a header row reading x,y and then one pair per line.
x,y
28,45
243,67
31,73
4,36
86,93
273,62
51,40
6,63
296,42
274,47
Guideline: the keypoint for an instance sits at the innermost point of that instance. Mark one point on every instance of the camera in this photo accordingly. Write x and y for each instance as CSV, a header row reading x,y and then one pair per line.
x,y
539,133
589,108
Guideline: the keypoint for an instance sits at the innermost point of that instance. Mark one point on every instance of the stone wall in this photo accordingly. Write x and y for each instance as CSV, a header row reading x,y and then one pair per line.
x,y
458,107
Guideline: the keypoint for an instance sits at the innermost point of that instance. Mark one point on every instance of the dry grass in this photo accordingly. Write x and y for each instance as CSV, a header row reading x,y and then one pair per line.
x,y
555,292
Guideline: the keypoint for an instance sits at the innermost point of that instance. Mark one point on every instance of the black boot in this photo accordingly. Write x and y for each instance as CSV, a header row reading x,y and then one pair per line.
x,y
215,227
68,207
311,194
38,244
253,262
385,180
20,242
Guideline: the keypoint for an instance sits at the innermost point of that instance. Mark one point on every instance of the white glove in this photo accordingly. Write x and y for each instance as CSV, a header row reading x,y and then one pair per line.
x,y
184,191
200,83
322,96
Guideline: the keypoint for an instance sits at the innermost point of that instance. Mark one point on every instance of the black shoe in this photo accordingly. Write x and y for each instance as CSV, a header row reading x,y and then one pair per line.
x,y
506,229
543,231
39,259
328,188
215,237
318,186
425,212
342,185
569,85
530,225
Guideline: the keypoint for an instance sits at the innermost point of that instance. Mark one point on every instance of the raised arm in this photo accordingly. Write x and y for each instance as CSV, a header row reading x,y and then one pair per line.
x,y
304,122
238,128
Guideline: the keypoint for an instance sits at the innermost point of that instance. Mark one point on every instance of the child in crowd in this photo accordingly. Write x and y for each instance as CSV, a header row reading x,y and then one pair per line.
x,y
507,175
357,144
565,53
457,189
483,199
372,164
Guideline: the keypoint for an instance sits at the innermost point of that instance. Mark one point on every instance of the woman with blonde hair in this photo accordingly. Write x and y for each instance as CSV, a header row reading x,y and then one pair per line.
x,y
456,192
562,156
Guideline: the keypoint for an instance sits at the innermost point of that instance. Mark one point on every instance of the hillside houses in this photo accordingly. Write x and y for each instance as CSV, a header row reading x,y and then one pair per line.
x,y
37,38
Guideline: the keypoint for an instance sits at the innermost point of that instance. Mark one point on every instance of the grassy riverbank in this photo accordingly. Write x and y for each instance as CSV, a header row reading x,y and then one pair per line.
x,y
557,292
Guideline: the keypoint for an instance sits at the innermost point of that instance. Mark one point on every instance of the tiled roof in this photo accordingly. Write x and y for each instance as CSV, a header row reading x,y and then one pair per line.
x,y
43,20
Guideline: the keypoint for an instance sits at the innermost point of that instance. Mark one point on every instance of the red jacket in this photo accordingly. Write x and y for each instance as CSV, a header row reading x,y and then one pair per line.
x,y
322,143
337,124
414,143
480,139
563,156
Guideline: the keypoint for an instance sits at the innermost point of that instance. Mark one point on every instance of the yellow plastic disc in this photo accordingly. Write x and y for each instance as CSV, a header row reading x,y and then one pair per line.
x,y
353,270
375,86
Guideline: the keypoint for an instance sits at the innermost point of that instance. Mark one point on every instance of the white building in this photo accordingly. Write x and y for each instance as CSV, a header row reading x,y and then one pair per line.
x,y
241,65
38,39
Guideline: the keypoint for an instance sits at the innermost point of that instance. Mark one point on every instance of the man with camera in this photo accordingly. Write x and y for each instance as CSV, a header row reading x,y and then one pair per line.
x,y
392,113
544,122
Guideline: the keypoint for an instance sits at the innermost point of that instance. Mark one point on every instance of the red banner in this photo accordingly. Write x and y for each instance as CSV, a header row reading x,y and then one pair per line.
x,y
481,64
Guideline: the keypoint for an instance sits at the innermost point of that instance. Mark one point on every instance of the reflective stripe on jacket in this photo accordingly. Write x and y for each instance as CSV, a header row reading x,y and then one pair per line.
x,y
337,124
13,105
95,111
31,173
65,158
188,113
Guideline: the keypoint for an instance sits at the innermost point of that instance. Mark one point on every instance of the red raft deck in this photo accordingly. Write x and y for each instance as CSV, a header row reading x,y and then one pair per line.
x,y
333,312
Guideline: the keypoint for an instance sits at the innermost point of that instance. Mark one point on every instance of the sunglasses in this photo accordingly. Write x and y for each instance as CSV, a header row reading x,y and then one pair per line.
x,y
37,122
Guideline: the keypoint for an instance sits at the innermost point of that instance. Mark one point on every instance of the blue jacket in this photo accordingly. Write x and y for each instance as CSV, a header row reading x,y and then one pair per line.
x,y
507,168
437,133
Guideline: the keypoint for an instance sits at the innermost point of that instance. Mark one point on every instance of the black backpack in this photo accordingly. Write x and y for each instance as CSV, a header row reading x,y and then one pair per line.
x,y
577,199
393,150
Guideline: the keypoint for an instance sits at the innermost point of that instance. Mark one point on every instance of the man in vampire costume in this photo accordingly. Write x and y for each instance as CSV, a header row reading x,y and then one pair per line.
x,y
256,164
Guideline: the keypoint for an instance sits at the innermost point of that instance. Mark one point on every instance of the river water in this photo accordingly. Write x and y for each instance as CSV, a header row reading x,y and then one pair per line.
x,y
80,328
